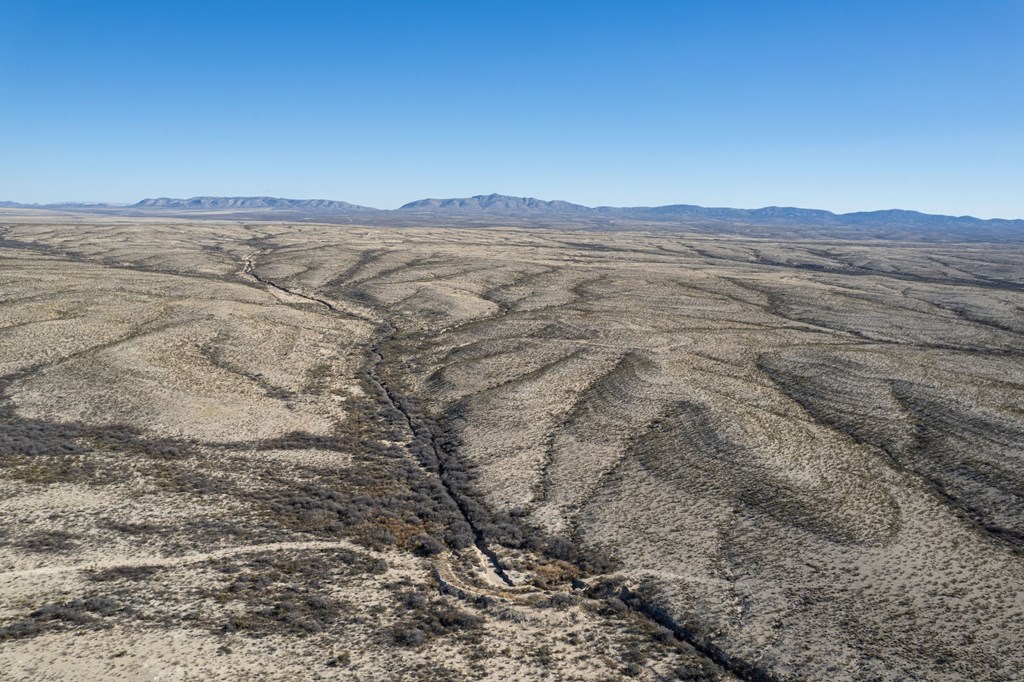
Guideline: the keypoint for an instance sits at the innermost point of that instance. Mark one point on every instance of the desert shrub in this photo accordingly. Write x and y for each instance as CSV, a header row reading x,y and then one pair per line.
x,y
75,612
198,483
502,612
19,629
379,505
459,536
49,541
559,600
377,538
406,634
587,560
425,545
605,587
104,606
340,660
632,669
663,635
287,593
410,599
633,654
696,668
298,440
484,601
129,528
544,655
135,573
423,619
615,605
35,438
559,548
310,614
130,440
301,612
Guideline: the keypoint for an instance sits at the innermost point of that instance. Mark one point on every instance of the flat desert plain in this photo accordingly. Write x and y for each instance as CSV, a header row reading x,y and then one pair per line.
x,y
268,451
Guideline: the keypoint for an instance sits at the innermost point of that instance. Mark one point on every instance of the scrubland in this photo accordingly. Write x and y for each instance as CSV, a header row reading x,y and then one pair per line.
x,y
238,450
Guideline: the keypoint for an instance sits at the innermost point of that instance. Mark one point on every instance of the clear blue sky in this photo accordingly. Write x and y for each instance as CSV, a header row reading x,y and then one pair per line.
x,y
840,105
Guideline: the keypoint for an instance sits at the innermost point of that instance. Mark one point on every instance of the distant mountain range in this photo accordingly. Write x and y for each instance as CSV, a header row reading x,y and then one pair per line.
x,y
501,204
497,203
66,204
250,203
503,210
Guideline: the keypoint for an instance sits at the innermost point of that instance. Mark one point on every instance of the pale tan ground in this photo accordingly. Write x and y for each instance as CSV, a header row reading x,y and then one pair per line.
x,y
810,454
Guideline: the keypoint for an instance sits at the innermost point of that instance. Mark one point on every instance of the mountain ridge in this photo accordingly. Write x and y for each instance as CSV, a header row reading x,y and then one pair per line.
x,y
214,202
497,203
489,201
484,210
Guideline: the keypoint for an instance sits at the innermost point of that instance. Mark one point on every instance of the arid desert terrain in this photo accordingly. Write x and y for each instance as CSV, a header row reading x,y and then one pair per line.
x,y
267,451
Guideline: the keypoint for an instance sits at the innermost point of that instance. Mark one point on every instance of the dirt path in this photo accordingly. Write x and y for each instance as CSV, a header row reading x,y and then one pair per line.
x,y
164,561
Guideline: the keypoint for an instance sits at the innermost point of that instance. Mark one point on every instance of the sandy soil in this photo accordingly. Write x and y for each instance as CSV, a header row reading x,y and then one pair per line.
x,y
261,451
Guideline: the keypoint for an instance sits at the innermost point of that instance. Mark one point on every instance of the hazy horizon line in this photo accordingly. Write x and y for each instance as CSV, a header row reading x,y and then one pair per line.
x,y
127,204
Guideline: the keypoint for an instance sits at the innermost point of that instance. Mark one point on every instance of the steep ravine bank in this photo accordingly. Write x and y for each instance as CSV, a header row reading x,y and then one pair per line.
x,y
424,447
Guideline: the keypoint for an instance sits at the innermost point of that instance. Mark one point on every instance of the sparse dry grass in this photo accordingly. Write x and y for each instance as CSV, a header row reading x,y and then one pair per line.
x,y
691,454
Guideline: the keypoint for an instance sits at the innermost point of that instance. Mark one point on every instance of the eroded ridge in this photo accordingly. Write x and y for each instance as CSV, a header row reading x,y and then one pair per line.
x,y
508,454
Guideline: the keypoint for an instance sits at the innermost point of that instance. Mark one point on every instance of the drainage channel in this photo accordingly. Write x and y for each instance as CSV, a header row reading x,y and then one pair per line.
x,y
413,422
419,427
